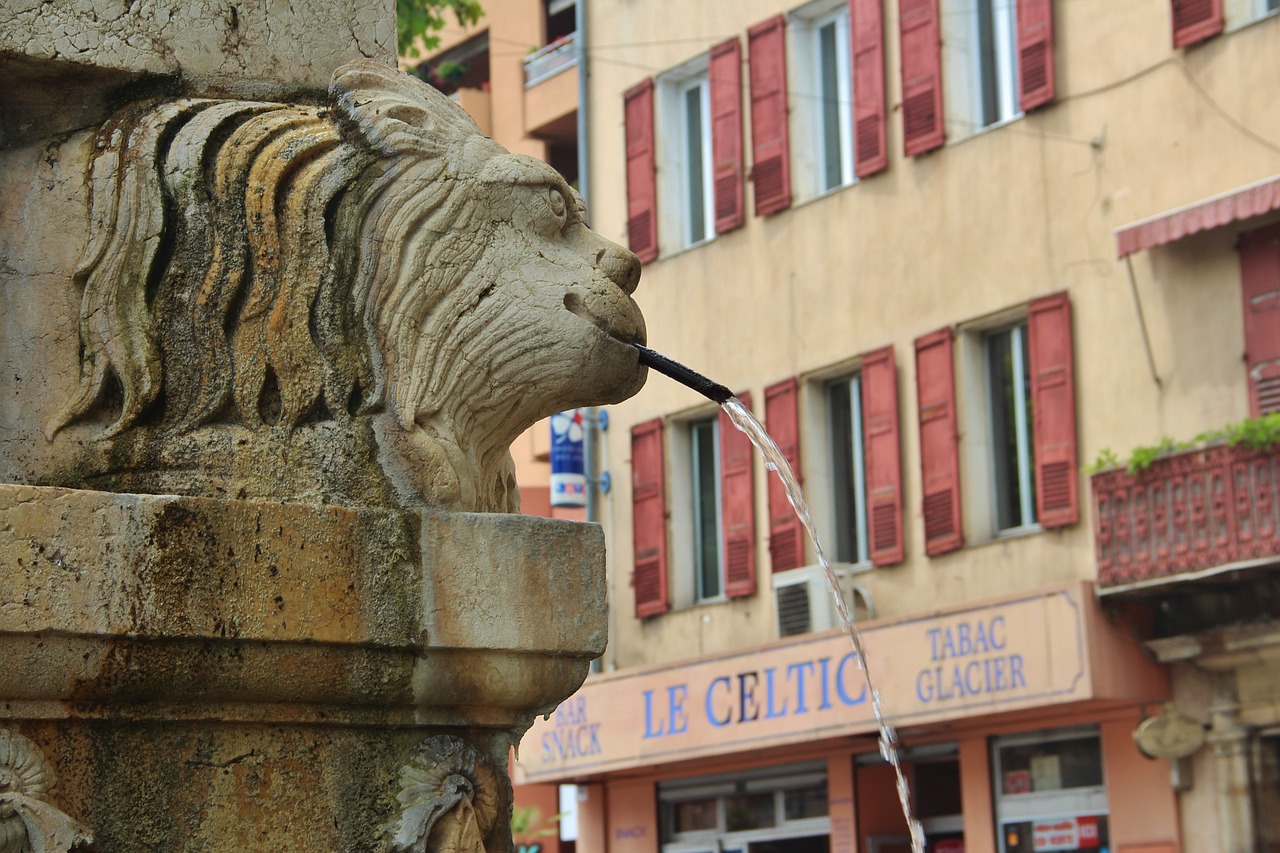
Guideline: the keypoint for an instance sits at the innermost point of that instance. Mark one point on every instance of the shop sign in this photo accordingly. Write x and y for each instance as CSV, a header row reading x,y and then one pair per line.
x,y
1017,653
1071,833
568,466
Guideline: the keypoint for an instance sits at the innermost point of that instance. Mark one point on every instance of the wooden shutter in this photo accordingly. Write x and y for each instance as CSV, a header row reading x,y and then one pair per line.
x,y
737,506
870,149
883,457
725,75
1053,407
1035,53
642,184
939,451
1260,287
921,44
770,148
1196,20
648,519
782,419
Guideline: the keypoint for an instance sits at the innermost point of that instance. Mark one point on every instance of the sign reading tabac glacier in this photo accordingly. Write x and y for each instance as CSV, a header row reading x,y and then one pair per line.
x,y
1012,654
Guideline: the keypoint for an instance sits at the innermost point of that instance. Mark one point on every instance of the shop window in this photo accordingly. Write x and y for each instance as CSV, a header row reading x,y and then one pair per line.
x,y
767,810
1050,792
686,188
822,100
980,64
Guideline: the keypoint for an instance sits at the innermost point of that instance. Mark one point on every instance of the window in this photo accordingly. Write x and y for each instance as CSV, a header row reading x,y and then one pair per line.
x,y
687,189
1242,12
823,98
848,469
1015,421
1010,418
704,447
757,811
1049,792
980,71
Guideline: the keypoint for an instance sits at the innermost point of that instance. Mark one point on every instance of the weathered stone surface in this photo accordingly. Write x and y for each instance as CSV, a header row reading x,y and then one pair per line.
x,y
193,664
361,301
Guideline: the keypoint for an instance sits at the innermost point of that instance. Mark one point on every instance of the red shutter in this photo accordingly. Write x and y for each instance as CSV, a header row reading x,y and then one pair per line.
x,y
1035,53
725,76
642,184
737,506
649,519
1196,20
883,458
866,22
921,45
939,451
782,419
1260,286
1053,406
770,149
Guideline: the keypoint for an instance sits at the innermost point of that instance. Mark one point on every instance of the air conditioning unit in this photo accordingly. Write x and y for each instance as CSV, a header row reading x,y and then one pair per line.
x,y
803,601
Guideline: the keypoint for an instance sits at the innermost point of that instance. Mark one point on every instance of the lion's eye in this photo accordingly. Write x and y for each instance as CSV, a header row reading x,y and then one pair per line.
x,y
558,205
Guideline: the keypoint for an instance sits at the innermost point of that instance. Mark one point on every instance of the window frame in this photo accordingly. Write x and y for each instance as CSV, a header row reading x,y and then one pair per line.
x,y
978,488
775,780
673,133
968,86
1239,14
858,474
697,511
684,562
807,112
1024,438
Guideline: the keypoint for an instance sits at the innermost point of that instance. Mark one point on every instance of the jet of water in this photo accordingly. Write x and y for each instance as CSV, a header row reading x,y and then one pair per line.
x,y
776,462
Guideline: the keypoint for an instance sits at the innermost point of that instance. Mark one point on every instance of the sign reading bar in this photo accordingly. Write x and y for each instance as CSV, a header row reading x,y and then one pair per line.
x,y
1013,654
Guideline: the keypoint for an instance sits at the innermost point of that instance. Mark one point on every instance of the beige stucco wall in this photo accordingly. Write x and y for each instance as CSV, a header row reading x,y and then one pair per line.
x,y
981,226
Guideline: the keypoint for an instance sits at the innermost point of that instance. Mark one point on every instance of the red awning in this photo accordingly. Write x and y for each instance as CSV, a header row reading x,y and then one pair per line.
x,y
1244,203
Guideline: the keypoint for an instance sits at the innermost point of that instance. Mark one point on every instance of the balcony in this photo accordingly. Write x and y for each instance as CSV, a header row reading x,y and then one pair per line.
x,y
551,60
1207,509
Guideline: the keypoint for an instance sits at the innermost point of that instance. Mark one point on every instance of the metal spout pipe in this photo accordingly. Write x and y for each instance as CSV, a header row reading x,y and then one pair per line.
x,y
677,371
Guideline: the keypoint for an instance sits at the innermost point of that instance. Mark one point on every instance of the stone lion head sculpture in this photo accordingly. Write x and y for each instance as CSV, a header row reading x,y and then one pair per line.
x,y
361,301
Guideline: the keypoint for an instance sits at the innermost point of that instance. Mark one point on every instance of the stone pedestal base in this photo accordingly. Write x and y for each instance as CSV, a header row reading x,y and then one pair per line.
x,y
208,675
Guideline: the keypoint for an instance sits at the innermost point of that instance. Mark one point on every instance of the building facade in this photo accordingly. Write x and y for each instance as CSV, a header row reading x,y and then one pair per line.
x,y
965,259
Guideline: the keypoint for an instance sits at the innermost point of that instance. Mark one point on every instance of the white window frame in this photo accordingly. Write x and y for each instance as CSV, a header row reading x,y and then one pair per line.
x,y
674,177
1242,13
862,555
963,69
807,114
686,578
979,491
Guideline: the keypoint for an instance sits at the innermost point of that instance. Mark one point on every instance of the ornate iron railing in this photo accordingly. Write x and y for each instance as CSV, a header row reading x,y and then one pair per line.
x,y
1188,512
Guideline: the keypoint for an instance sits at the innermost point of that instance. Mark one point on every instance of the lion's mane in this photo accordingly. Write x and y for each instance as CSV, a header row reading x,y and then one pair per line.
x,y
243,254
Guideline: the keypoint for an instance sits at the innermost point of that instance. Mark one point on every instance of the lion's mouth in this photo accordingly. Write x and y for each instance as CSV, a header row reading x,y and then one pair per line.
x,y
628,334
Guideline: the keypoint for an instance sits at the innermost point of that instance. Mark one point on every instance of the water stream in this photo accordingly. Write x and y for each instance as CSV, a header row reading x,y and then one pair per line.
x,y
776,462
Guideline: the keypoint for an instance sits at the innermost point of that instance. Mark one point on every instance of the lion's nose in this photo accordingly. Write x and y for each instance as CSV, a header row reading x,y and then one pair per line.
x,y
621,266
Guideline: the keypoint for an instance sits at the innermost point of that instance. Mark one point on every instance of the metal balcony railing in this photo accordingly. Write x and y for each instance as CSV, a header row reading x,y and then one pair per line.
x,y
1197,510
551,60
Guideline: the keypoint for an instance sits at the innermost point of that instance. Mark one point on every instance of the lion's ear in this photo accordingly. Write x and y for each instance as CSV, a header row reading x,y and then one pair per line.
x,y
398,112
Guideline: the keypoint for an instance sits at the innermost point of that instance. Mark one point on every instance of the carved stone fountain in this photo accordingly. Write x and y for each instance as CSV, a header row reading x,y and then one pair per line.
x,y
271,319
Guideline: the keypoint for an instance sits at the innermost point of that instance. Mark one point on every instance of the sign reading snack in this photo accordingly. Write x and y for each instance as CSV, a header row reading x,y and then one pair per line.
x,y
1017,653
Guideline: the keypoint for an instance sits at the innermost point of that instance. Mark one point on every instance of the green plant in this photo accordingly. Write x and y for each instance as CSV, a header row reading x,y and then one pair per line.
x,y
1256,433
423,18
1261,433
525,822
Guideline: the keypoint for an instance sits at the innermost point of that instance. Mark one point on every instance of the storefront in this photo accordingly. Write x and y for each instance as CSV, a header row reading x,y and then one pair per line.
x,y
1015,715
